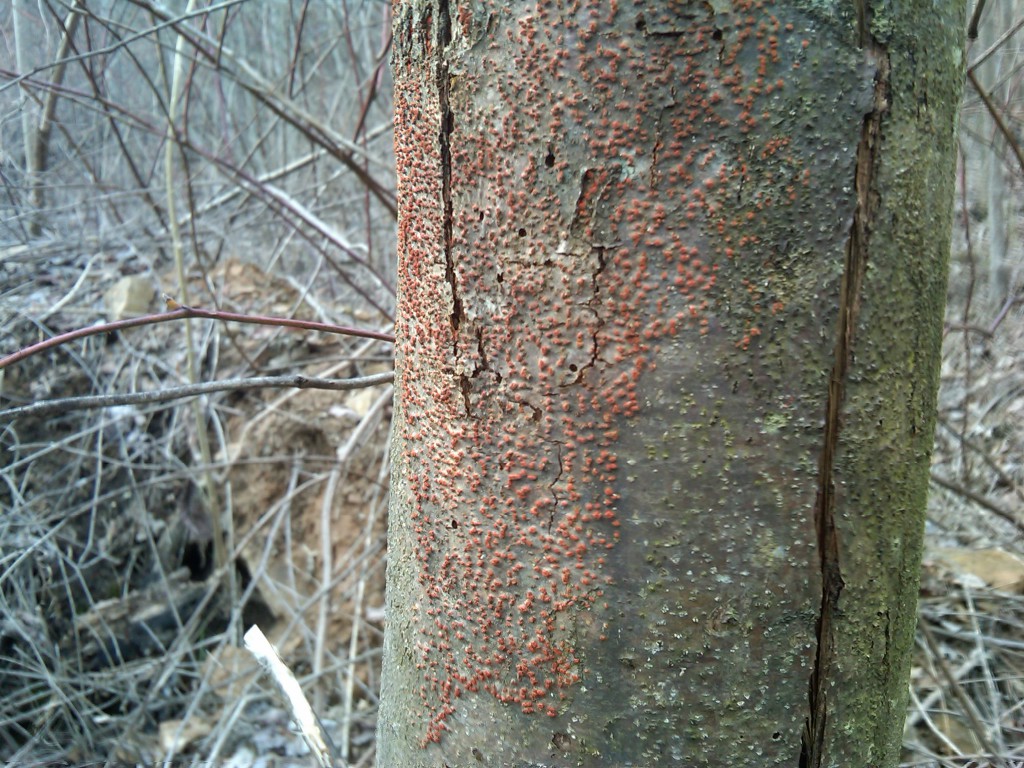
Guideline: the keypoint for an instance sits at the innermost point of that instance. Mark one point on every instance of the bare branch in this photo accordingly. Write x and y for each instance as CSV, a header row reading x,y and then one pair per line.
x,y
168,22
972,26
180,312
984,55
193,390
997,116
978,499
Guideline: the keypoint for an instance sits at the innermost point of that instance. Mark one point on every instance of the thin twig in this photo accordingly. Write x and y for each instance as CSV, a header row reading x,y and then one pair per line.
x,y
326,566
297,381
20,77
309,724
180,312
1010,302
978,499
934,698
369,423
1004,477
984,56
997,118
954,686
972,26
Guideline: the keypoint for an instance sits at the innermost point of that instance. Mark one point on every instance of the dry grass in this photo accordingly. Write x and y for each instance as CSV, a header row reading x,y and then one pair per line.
x,y
120,624
119,636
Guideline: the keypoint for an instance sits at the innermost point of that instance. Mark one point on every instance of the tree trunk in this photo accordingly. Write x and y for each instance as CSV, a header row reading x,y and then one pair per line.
x,y
22,46
671,291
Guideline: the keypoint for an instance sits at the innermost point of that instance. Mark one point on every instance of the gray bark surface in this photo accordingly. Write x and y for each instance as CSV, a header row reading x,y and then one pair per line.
x,y
671,285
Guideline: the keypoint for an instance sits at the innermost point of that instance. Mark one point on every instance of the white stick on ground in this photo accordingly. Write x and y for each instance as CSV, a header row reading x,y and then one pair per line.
x,y
309,725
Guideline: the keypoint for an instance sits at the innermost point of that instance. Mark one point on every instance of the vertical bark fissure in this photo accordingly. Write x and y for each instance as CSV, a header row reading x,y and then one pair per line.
x,y
444,38
857,251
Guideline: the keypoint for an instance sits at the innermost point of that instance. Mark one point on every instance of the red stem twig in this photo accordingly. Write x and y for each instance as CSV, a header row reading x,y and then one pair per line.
x,y
179,312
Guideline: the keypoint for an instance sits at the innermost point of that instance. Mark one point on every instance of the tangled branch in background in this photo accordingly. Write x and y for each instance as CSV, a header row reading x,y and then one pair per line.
x,y
176,311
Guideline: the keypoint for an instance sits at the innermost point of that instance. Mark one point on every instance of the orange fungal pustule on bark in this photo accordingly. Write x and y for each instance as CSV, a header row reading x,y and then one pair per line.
x,y
533,301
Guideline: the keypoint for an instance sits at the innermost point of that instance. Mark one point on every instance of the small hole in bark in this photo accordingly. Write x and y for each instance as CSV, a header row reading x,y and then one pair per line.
x,y
573,367
500,278
454,524
776,736
641,23
549,159
716,35
522,232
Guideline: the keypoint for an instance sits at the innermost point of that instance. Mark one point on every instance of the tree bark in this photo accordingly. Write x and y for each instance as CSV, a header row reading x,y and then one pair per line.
x,y
19,12
671,289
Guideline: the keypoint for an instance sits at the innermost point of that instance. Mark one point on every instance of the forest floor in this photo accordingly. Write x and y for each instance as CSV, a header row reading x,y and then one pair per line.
x,y
967,689
119,636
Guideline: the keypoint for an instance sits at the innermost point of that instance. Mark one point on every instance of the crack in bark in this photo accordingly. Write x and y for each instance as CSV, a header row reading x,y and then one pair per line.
x,y
857,252
485,363
553,483
596,293
447,122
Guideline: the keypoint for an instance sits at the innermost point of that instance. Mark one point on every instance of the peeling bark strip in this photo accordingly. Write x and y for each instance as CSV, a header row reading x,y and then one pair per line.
x,y
829,546
623,228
